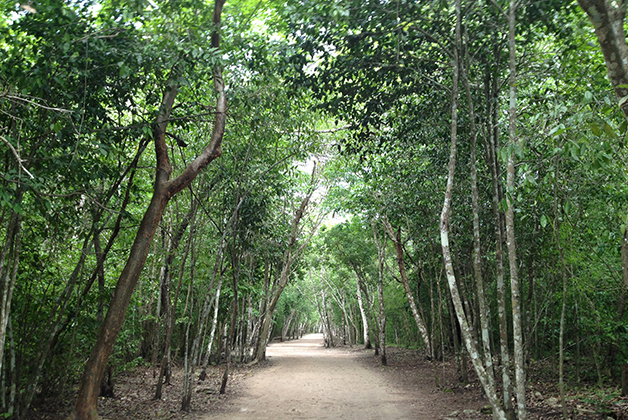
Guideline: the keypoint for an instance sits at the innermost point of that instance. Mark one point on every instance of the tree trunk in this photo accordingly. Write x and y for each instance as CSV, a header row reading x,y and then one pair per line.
x,y
164,189
365,323
212,333
191,357
477,250
492,87
608,21
291,254
489,390
286,325
9,261
381,257
420,323
517,331
170,308
363,314
561,335
232,328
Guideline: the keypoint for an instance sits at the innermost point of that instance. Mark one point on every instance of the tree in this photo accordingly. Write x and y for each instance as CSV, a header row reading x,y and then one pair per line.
x,y
164,190
608,21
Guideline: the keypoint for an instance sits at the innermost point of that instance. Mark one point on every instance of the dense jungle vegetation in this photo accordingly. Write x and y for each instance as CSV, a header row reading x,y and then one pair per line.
x,y
184,180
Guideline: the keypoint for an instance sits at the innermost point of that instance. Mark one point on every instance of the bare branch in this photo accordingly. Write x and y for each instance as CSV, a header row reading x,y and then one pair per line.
x,y
17,156
19,98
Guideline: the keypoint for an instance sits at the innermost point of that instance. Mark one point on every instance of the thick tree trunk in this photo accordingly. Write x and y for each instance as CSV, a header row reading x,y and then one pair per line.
x,y
608,22
164,190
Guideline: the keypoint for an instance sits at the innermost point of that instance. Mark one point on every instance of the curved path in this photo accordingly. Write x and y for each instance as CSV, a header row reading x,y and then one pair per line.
x,y
307,381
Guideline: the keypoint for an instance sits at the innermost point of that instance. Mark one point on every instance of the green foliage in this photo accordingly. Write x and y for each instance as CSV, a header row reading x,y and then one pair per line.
x,y
364,87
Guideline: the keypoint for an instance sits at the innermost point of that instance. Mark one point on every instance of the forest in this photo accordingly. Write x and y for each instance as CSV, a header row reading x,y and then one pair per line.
x,y
184,181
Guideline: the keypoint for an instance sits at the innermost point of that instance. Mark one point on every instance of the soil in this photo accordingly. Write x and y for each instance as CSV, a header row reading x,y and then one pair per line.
x,y
302,379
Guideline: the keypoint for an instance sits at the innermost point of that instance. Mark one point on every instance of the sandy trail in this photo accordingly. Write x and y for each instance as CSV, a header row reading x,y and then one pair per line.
x,y
307,381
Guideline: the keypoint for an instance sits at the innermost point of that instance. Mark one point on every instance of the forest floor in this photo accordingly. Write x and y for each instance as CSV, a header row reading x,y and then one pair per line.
x,y
303,380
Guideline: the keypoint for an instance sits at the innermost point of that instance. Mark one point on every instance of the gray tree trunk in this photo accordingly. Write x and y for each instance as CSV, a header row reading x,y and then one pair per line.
x,y
489,389
365,323
420,323
510,224
477,250
381,257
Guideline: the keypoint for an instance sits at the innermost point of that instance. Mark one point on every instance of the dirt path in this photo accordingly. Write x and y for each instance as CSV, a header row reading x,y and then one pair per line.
x,y
307,381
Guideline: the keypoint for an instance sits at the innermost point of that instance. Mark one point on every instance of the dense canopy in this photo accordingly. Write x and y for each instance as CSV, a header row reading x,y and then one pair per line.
x,y
183,181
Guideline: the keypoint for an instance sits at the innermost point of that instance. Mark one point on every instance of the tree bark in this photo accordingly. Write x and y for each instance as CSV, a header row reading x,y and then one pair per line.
x,y
291,254
170,308
489,390
381,257
9,261
477,250
608,21
164,189
232,328
492,87
561,335
365,323
510,224
420,323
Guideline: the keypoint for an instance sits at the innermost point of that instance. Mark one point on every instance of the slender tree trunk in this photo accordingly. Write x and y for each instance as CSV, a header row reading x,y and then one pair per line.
x,y
365,323
420,323
489,390
164,189
212,333
232,328
170,309
101,280
477,250
561,335
510,224
491,152
13,372
286,325
190,365
9,261
329,342
291,254
186,400
381,257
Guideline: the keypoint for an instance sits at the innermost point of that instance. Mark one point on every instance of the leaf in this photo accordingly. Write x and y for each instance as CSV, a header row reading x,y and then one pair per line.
x,y
557,130
610,131
543,221
595,129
